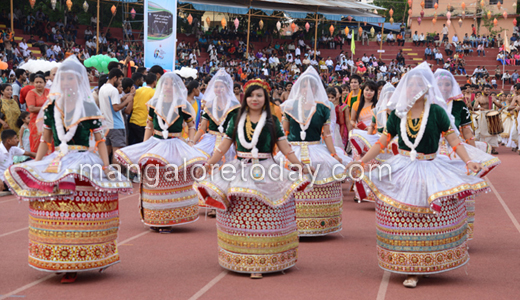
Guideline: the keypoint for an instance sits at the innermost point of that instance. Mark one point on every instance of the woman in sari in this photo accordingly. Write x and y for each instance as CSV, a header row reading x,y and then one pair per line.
x,y
35,100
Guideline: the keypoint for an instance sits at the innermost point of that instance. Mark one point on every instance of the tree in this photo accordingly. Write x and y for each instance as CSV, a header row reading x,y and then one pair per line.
x,y
400,8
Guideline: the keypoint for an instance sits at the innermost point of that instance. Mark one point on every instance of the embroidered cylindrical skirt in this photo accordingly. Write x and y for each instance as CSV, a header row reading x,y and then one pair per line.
x,y
74,233
470,210
167,198
254,237
416,243
318,212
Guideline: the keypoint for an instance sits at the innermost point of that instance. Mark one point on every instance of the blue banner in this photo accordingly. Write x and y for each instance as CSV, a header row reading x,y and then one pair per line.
x,y
160,33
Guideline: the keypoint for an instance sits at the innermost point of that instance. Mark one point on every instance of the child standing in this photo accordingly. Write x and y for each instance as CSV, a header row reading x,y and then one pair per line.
x,y
25,143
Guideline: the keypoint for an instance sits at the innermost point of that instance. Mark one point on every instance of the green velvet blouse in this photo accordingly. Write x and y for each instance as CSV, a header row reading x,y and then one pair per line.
x,y
264,140
438,122
213,126
82,135
461,113
176,127
313,133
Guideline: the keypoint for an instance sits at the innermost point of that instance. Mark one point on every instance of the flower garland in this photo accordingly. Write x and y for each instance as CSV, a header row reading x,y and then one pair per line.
x,y
163,125
62,136
256,135
214,112
303,133
404,135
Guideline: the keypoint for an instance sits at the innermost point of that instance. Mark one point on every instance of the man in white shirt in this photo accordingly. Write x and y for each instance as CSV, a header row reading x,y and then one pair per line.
x,y
476,72
383,70
273,61
329,63
289,57
444,33
297,61
438,57
110,105
455,39
421,39
365,58
390,39
379,38
56,48
8,150
297,52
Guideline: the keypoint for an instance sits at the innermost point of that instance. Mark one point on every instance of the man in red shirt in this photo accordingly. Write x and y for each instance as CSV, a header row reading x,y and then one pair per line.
x,y
473,29
27,88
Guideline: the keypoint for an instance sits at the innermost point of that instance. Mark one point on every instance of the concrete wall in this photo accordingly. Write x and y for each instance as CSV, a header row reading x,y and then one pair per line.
x,y
428,26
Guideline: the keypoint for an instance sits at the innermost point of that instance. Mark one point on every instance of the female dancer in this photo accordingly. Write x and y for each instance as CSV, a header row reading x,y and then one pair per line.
x,y
453,96
35,99
220,107
360,120
256,224
307,116
420,210
73,214
508,118
165,160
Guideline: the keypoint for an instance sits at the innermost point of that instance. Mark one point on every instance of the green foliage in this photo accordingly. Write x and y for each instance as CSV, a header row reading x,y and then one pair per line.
x,y
400,8
488,23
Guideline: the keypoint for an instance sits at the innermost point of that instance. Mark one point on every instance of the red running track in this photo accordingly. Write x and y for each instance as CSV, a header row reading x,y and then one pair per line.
x,y
183,265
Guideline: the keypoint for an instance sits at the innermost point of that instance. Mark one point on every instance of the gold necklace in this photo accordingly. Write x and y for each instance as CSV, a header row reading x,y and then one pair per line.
x,y
249,128
411,127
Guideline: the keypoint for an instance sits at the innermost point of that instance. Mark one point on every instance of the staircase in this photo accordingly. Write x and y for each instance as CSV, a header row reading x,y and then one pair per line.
x,y
413,55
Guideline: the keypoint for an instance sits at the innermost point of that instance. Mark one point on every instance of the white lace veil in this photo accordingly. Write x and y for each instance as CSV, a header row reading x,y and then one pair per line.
x,y
72,97
414,84
381,109
305,94
219,98
170,95
448,86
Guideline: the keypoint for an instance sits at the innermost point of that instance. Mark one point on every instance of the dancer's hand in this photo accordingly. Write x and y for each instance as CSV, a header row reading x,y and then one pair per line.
x,y
111,174
199,171
475,167
307,169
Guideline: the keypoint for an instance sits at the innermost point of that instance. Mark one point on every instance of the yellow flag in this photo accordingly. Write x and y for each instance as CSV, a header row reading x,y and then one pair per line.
x,y
506,42
353,45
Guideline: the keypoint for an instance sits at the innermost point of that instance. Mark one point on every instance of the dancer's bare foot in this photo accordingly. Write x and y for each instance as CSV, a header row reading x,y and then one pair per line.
x,y
411,281
212,213
69,277
256,276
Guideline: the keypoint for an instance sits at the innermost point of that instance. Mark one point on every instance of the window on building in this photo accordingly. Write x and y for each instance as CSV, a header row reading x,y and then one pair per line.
x,y
430,3
494,2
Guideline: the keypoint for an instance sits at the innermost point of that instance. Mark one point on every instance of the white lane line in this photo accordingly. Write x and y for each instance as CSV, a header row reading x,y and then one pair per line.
x,y
208,286
23,288
8,200
14,231
381,294
134,237
504,205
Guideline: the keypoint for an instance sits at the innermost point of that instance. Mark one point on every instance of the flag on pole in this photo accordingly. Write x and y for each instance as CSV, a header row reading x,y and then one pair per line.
x,y
506,42
352,45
